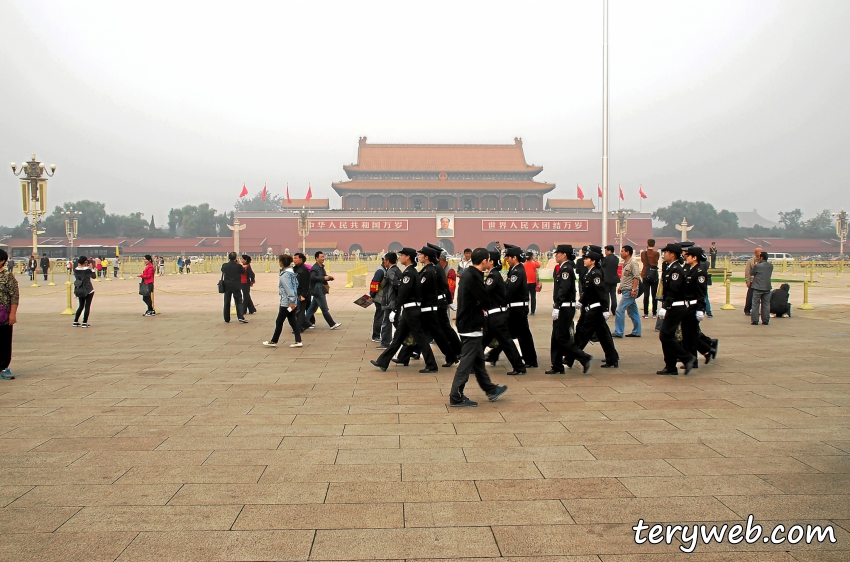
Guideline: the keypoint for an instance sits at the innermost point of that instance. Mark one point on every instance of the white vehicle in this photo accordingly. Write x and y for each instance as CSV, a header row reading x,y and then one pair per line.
x,y
196,259
779,257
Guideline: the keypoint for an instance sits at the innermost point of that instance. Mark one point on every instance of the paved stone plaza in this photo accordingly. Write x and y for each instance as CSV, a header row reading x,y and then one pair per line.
x,y
182,438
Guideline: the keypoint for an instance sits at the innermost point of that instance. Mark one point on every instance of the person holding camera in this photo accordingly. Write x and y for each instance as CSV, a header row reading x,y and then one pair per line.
x,y
83,290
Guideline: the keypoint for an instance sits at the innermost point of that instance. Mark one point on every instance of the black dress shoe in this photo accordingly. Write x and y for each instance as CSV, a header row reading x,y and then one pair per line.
x,y
415,356
586,365
632,336
690,364
667,372
375,363
554,372
707,358
714,345
399,361
429,370
517,372
569,363
449,363
614,365
530,366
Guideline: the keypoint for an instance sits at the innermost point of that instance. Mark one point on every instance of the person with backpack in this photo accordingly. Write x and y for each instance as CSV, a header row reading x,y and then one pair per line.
x,y
83,290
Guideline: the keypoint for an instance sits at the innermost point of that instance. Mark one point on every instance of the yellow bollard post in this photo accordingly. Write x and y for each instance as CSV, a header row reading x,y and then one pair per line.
x,y
811,272
68,271
782,267
728,305
68,310
52,272
121,270
805,305
821,271
153,302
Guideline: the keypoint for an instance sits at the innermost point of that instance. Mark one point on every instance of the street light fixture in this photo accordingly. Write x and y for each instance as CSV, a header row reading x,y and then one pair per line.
x,y
71,224
841,221
303,226
621,224
34,195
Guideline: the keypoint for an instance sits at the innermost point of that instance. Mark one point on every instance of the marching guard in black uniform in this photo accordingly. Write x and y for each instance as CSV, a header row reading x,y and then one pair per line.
x,y
594,315
497,316
673,310
696,277
563,312
408,308
444,299
429,291
516,287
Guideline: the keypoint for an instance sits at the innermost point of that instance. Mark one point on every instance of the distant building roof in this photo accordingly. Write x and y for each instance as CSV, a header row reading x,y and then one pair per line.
x,y
311,204
569,204
748,219
441,158
456,187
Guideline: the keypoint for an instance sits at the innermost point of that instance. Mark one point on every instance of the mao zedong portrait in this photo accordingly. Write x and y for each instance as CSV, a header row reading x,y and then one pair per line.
x,y
445,229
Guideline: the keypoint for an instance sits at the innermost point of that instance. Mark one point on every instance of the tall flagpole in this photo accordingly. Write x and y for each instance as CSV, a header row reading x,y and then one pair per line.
x,y
604,123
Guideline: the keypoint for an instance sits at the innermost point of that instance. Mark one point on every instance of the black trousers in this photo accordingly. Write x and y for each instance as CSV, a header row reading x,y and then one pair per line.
x,y
448,331
748,305
592,322
430,325
85,304
377,320
237,296
693,340
44,271
148,299
5,346
673,350
284,313
562,343
612,296
497,328
247,302
409,324
650,289
471,361
532,297
519,330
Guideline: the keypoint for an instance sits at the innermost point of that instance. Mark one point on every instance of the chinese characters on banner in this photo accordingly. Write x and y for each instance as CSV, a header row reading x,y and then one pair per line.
x,y
540,225
357,224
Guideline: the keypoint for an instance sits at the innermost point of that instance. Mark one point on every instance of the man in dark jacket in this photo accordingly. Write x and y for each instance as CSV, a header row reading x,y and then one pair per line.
x,y
318,280
610,264
470,325
376,291
45,265
392,278
231,274
302,272
779,304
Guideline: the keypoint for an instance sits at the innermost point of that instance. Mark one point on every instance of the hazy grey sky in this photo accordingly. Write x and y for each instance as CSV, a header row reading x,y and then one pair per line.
x,y
152,105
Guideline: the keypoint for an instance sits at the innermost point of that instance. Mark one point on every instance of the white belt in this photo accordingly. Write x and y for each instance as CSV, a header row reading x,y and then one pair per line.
x,y
408,305
594,305
428,309
441,297
692,302
495,310
569,305
515,304
679,303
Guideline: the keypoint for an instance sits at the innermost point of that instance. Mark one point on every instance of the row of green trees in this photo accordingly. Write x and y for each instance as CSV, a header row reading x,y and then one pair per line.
x,y
708,222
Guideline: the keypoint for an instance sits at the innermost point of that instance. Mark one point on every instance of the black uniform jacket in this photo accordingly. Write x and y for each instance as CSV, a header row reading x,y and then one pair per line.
x,y
565,284
516,285
428,287
444,296
496,290
473,301
407,290
695,283
674,284
594,289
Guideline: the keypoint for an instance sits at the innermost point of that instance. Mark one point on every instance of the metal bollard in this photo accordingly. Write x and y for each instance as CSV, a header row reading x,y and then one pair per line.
x,y
728,305
52,272
68,310
821,271
805,305
812,272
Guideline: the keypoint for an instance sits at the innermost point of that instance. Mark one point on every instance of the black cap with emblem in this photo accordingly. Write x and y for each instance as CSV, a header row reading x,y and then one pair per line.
x,y
512,251
695,251
564,249
673,248
429,253
594,253
496,258
409,252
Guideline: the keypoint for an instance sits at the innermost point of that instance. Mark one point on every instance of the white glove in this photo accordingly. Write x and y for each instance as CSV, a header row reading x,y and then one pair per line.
x,y
662,312
453,306
392,316
555,313
606,315
700,315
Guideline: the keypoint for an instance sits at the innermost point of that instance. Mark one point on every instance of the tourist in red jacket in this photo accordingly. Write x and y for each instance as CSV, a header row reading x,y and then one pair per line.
x,y
147,280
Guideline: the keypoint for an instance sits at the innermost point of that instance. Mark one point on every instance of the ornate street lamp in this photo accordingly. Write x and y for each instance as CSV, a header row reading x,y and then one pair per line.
x,y
303,226
34,192
621,224
71,224
841,228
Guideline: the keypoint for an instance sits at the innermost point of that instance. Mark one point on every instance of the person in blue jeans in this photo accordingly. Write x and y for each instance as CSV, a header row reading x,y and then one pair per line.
x,y
318,280
628,291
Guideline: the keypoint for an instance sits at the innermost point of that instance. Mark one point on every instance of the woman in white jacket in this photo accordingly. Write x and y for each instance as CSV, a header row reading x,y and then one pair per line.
x,y
288,287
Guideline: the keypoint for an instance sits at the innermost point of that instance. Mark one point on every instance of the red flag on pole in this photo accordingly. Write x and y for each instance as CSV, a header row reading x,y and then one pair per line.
x,y
642,194
579,193
309,193
599,189
244,191
263,194
288,200
621,193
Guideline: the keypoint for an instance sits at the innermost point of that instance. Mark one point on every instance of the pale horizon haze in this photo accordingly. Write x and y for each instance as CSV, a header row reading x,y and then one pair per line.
x,y
151,105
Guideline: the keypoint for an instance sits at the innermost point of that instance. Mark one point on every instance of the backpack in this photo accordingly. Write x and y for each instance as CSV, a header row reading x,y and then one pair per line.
x,y
79,289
